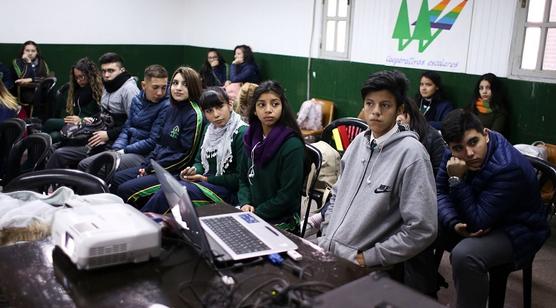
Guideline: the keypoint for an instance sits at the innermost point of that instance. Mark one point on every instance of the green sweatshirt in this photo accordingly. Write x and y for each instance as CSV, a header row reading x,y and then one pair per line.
x,y
230,178
275,191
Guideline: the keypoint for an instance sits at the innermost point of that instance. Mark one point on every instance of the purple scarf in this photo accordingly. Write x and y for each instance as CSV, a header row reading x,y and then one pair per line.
x,y
266,148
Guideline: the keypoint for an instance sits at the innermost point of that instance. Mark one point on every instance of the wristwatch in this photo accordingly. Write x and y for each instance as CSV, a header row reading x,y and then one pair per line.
x,y
453,181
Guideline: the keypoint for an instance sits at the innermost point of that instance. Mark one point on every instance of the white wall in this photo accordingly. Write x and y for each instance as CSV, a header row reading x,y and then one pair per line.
x,y
491,37
93,21
483,42
269,26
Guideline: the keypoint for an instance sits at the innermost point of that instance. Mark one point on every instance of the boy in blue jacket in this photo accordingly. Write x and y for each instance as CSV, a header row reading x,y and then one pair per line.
x,y
146,117
489,205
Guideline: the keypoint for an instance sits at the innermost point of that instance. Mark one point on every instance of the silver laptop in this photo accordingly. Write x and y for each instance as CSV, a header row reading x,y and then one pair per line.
x,y
233,236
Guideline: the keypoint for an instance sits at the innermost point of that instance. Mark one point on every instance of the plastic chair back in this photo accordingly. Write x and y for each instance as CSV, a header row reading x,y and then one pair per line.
x,y
11,131
340,132
27,155
313,162
46,181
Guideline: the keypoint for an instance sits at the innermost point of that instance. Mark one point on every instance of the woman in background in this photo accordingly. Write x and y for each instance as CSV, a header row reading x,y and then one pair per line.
x,y
271,178
244,68
489,103
214,72
29,69
431,100
84,93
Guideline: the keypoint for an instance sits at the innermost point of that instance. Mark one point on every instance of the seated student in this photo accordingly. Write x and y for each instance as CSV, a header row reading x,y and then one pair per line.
x,y
8,104
177,144
431,100
271,177
412,119
489,103
84,93
119,90
379,214
428,135
146,117
489,205
244,68
29,68
215,70
214,176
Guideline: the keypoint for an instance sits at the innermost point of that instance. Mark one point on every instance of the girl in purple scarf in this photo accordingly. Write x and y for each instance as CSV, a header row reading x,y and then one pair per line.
x,y
271,178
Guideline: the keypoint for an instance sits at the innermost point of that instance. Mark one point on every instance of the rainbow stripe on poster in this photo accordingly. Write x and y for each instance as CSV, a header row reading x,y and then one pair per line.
x,y
449,19
429,23
446,22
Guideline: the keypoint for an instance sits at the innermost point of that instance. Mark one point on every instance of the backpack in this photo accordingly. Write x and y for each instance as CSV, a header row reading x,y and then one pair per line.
x,y
309,116
78,135
329,170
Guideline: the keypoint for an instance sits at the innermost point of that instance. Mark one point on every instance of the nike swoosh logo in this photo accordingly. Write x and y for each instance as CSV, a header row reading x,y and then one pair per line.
x,y
383,189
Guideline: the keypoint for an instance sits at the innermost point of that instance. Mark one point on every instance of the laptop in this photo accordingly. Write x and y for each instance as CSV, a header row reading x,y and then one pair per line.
x,y
225,237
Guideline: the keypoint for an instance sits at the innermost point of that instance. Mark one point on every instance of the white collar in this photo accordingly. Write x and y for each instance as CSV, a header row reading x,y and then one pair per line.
x,y
380,140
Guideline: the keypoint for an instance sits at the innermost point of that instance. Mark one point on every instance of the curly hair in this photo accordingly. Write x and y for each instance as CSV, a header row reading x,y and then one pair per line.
x,y
91,72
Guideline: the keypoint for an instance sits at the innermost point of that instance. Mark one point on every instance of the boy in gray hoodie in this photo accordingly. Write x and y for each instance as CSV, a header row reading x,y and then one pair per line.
x,y
383,208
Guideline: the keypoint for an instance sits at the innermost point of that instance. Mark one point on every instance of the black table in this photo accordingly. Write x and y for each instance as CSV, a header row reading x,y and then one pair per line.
x,y
35,274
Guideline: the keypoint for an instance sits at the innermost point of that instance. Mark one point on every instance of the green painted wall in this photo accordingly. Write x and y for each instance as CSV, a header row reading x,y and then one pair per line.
x,y
61,57
532,111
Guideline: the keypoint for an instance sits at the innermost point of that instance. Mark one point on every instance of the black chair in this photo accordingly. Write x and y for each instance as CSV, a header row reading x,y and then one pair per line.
x,y
313,162
60,98
27,155
340,132
46,181
11,131
499,275
43,97
105,165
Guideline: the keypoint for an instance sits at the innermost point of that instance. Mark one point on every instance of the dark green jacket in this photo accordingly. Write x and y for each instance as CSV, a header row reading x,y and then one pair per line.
x,y
275,189
230,178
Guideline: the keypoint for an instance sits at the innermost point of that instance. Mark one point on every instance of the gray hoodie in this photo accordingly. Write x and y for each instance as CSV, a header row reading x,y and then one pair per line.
x,y
384,203
119,101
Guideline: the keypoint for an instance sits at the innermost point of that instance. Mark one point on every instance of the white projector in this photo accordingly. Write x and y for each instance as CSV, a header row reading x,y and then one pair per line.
x,y
106,234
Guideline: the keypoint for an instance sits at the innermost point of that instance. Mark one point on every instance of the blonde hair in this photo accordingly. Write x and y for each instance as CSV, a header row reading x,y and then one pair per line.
x,y
7,99
243,99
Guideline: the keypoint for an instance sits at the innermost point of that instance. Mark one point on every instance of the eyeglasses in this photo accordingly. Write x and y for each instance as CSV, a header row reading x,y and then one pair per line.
x,y
80,77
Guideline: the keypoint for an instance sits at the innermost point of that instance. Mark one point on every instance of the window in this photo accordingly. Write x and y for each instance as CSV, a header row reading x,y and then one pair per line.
x,y
534,44
336,28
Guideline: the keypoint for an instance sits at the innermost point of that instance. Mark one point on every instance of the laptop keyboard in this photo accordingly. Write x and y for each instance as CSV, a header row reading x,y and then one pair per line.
x,y
235,235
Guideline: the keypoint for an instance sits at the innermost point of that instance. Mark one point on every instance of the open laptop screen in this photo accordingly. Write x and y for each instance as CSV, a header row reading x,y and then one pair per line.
x,y
183,210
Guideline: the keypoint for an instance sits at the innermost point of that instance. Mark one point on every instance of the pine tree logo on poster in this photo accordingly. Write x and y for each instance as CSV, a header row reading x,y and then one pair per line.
x,y
428,25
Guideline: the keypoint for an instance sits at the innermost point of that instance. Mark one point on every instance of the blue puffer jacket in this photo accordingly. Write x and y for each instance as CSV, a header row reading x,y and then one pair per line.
x,y
179,139
503,194
142,127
